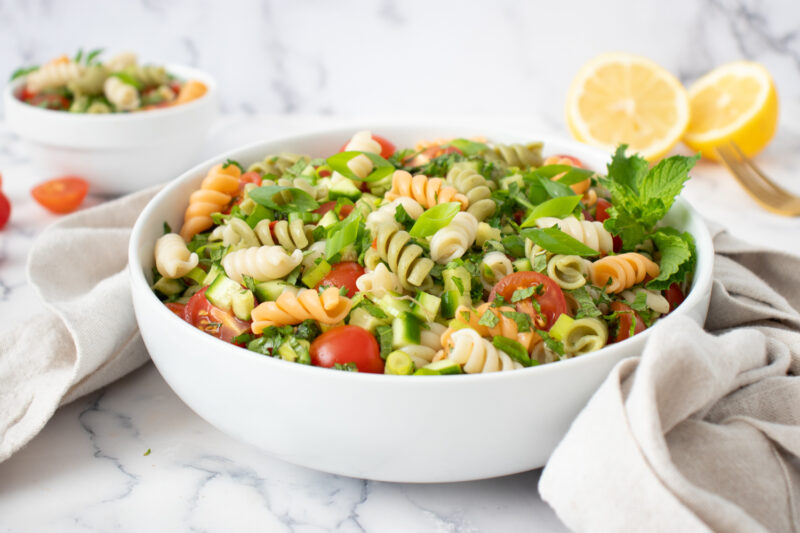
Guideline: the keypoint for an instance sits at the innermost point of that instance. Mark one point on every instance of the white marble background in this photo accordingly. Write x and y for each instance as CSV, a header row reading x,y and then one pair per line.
x,y
88,470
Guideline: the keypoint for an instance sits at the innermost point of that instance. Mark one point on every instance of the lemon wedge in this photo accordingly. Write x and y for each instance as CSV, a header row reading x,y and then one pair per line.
x,y
734,102
624,98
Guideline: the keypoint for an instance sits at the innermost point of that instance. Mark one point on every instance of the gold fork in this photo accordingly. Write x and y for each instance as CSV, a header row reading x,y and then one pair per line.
x,y
763,190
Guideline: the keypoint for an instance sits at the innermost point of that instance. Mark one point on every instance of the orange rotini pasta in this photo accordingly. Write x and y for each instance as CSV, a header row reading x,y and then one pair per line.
x,y
427,191
505,326
216,191
329,307
191,90
623,271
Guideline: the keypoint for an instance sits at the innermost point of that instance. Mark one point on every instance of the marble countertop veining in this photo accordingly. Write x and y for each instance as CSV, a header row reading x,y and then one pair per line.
x,y
133,457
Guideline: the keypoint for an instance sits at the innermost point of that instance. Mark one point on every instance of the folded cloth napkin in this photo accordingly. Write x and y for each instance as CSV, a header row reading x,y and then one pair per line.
x,y
702,432
88,336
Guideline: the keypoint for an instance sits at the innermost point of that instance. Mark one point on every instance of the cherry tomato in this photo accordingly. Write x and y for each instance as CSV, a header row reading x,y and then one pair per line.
x,y
601,210
324,208
343,274
251,177
49,101
626,316
345,211
387,148
551,300
674,296
178,309
574,161
207,317
347,344
61,195
5,206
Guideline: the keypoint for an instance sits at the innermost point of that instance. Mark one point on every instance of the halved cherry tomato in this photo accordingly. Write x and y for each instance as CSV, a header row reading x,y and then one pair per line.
x,y
48,101
5,206
61,195
251,177
343,274
551,300
674,296
207,317
178,309
324,208
345,211
347,344
626,317
601,210
387,148
575,161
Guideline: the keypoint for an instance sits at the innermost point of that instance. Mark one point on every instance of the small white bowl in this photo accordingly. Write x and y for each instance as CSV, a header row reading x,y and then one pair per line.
x,y
389,428
117,153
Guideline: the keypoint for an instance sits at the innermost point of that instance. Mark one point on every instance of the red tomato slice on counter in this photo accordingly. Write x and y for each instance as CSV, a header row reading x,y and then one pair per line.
x,y
347,344
551,300
61,195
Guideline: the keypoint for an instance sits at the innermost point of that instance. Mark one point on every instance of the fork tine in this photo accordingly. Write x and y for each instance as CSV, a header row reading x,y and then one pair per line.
x,y
754,185
749,162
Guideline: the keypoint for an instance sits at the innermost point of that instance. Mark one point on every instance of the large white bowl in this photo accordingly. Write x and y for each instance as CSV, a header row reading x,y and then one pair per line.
x,y
119,152
391,428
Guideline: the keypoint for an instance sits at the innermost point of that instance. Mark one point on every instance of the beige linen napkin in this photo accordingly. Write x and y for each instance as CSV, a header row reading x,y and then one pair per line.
x,y
702,432
88,337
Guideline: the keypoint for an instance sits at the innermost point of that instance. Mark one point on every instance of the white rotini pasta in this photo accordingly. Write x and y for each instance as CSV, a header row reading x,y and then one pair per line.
x,y
653,299
454,239
363,142
90,82
379,281
121,95
430,344
173,258
384,215
590,233
404,258
487,233
585,335
121,61
235,234
277,164
494,267
261,263
294,235
475,187
516,155
569,271
476,354
54,74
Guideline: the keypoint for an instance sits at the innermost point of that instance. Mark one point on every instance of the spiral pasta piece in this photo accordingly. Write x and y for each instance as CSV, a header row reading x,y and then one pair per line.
x,y
424,352
487,233
329,307
121,95
569,271
542,354
263,263
173,258
516,155
505,326
494,266
477,355
276,164
427,191
404,259
475,187
216,191
54,74
622,271
150,75
235,234
653,299
379,281
590,233
384,215
191,90
454,239
90,82
363,142
578,188
121,61
585,335
292,235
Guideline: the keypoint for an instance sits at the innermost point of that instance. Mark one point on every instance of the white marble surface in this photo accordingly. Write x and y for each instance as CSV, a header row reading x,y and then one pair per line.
x,y
509,61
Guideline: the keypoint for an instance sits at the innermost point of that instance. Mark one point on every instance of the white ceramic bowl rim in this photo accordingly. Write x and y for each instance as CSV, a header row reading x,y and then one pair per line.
x,y
700,285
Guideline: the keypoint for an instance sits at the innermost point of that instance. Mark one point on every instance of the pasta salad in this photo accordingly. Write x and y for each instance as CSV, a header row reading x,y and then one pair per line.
x,y
85,84
454,256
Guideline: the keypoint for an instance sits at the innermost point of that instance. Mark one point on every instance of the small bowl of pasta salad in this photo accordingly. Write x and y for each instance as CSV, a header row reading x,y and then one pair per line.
x,y
119,123
398,285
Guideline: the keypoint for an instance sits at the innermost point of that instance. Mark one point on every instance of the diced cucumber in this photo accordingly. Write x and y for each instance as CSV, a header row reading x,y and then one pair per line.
x,y
399,363
268,291
522,265
561,326
259,213
458,279
458,323
439,368
508,180
362,318
243,303
393,305
169,287
405,330
221,292
315,275
344,189
426,306
328,219
450,301
295,350
306,217
213,272
197,275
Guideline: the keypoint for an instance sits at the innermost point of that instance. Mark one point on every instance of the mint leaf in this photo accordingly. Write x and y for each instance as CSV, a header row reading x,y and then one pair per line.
x,y
522,320
586,305
556,241
678,257
555,207
489,319
627,171
522,294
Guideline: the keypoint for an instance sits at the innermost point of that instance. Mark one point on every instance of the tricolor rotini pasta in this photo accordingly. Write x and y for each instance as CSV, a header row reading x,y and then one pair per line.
x,y
457,256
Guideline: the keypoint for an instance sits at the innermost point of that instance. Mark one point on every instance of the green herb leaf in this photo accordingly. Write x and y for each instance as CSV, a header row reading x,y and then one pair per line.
x,y
401,216
467,147
678,257
249,282
434,219
550,342
24,71
298,200
147,452
382,167
513,349
522,320
556,241
342,234
308,330
167,228
586,305
127,79
523,294
555,207
90,57
231,162
384,334
539,262
244,338
347,367
489,319
572,175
